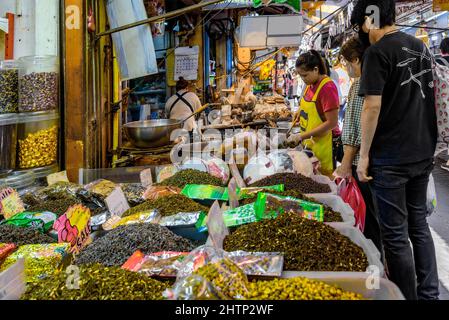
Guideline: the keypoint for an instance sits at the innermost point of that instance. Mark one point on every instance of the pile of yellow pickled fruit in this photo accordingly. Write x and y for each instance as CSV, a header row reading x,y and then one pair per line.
x,y
297,289
39,149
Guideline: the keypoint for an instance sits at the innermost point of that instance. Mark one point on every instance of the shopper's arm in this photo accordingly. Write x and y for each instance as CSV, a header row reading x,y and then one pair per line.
x,y
345,169
370,117
328,125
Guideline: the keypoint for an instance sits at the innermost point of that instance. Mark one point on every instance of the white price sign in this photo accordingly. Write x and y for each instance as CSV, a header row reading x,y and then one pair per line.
x,y
116,202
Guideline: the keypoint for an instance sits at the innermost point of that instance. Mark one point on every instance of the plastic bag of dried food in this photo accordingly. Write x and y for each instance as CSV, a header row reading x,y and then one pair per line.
x,y
41,260
42,221
270,206
133,193
102,187
152,216
193,288
156,192
162,264
232,218
214,268
58,189
258,263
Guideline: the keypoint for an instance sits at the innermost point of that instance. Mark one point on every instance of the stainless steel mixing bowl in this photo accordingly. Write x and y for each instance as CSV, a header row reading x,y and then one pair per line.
x,y
151,133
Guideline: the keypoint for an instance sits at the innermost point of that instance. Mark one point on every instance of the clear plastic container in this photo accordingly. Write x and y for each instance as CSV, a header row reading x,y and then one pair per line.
x,y
9,86
8,142
19,180
38,83
354,282
37,134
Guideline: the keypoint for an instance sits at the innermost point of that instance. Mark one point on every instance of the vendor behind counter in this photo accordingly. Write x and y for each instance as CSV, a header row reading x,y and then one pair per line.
x,y
182,104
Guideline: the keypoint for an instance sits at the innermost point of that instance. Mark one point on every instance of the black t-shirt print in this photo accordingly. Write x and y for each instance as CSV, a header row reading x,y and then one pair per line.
x,y
399,67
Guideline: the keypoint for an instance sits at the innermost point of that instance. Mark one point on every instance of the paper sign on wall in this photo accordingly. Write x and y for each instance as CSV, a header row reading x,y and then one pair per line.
x,y
186,63
10,203
116,202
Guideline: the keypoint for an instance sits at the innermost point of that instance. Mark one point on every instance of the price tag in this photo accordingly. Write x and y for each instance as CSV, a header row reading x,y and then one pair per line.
x,y
74,227
112,221
57,177
10,203
116,202
146,178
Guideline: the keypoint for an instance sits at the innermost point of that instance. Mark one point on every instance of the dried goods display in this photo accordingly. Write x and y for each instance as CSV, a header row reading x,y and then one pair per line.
x,y
8,136
297,289
293,181
38,91
119,244
97,282
133,193
307,245
168,206
38,149
58,206
9,90
101,187
5,250
226,277
22,235
41,260
190,176
155,192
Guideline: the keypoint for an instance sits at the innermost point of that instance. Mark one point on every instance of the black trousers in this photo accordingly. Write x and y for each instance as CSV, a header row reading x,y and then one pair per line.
x,y
401,193
372,225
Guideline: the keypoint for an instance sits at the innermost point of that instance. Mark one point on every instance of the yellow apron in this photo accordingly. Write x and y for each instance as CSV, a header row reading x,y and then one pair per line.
x,y
309,119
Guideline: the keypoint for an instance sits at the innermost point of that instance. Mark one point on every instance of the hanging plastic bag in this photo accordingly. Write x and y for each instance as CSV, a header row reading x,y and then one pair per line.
x,y
431,196
349,191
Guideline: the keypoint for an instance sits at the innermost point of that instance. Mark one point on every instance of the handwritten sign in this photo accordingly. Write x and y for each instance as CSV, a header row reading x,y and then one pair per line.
x,y
74,227
57,177
116,202
10,203
146,178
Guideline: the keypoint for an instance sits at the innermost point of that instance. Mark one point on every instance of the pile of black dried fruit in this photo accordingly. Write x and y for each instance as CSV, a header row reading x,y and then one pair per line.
x,y
190,176
293,181
58,206
307,245
20,235
118,245
168,206
97,282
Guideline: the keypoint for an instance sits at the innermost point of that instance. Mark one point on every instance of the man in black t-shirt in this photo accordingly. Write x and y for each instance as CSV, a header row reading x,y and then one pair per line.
x,y
399,134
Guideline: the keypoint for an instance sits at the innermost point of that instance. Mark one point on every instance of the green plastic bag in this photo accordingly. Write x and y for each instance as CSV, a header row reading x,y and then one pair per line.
x,y
269,206
42,221
207,192
232,218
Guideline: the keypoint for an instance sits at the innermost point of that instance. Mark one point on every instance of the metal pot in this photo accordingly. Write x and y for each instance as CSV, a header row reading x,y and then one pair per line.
x,y
151,133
